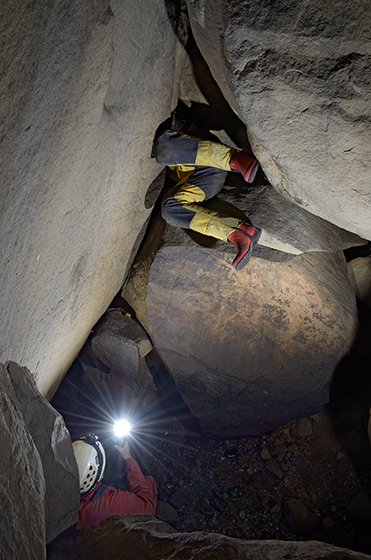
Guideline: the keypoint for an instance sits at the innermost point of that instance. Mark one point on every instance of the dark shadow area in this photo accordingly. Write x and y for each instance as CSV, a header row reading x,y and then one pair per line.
x,y
218,115
355,252
349,408
350,396
168,395
178,16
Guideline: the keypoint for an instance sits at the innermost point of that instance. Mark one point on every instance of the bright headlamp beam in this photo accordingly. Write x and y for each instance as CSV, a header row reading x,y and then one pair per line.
x,y
122,428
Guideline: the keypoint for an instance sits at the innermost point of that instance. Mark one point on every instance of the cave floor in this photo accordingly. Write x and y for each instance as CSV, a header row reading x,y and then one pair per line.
x,y
244,488
307,480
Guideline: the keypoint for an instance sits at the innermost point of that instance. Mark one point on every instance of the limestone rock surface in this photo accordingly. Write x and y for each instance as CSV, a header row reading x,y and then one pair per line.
x,y
22,488
109,391
39,481
147,537
84,86
359,273
299,76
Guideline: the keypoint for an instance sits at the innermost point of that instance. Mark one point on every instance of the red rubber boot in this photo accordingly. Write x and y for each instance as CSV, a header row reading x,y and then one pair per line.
x,y
244,238
245,164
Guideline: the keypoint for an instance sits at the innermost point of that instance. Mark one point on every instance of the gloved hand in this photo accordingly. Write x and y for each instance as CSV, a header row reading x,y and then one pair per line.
x,y
124,451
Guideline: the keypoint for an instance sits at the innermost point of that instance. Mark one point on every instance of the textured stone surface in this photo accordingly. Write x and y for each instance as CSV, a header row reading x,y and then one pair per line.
x,y
250,350
303,93
84,86
39,494
147,537
52,440
304,427
120,342
113,390
359,274
22,488
262,480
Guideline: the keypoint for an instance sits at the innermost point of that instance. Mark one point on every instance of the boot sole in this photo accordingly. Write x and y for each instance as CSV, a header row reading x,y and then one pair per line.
x,y
249,178
254,240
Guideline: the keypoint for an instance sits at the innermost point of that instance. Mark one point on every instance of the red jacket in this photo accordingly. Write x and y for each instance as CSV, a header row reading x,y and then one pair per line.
x,y
141,497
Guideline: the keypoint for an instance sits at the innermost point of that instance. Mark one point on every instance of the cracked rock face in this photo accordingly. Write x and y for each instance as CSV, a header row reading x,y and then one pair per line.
x,y
299,75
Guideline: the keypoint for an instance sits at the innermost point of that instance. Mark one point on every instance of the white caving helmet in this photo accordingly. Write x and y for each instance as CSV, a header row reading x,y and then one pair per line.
x,y
91,461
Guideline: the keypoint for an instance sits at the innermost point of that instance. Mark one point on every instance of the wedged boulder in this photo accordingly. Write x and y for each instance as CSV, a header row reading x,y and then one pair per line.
x,y
299,76
120,342
252,350
147,537
249,350
124,385
39,488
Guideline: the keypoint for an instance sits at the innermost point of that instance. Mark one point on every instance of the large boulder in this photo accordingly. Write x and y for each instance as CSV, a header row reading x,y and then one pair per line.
x,y
147,537
249,350
299,74
84,86
39,479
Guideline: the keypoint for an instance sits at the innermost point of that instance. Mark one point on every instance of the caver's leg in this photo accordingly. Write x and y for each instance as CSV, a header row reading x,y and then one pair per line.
x,y
175,148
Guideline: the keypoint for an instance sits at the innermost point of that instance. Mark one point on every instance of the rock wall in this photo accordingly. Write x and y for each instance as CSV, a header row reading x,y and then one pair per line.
x,y
298,74
84,86
39,490
147,537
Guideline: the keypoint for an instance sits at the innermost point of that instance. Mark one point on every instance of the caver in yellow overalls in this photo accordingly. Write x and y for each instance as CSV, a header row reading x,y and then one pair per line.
x,y
199,168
